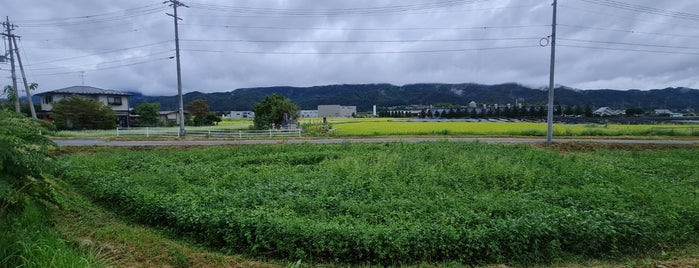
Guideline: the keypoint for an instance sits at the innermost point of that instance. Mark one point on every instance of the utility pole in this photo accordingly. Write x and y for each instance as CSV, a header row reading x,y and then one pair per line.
x,y
549,117
175,4
9,27
24,78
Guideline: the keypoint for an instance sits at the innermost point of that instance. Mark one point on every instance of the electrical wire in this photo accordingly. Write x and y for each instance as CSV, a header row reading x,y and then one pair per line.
x,y
632,50
416,12
363,41
106,68
285,28
103,53
105,62
383,52
92,19
627,44
628,31
333,12
644,9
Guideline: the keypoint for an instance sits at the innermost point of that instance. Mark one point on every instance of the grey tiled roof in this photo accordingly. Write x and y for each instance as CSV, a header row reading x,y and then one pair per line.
x,y
85,90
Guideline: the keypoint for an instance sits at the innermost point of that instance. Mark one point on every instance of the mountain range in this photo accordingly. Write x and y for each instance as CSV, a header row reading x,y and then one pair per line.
x,y
364,96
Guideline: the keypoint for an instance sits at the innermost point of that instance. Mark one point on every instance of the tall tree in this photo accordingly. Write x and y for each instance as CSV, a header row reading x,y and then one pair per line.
x,y
76,113
147,113
272,109
201,112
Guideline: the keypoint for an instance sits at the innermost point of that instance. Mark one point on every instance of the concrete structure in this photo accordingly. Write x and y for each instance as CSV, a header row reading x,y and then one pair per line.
x,y
308,114
242,114
117,100
336,111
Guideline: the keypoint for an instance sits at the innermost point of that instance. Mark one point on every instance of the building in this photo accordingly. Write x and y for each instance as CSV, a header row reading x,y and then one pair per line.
x,y
242,114
662,112
169,117
336,111
606,111
117,100
308,114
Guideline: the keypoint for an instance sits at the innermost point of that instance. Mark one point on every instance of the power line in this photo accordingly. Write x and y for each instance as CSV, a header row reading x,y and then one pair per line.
x,y
628,44
628,31
383,52
633,50
644,9
106,62
286,28
415,12
103,53
365,41
334,12
105,68
99,18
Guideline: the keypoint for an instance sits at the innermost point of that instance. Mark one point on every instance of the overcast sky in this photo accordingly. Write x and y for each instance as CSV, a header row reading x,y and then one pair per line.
x,y
129,44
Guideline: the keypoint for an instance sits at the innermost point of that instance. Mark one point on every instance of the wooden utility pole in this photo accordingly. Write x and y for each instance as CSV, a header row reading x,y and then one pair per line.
x,y
549,118
175,4
24,79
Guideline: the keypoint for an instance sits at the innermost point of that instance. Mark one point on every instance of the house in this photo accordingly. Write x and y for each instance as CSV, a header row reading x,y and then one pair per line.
x,y
606,111
242,114
308,114
336,111
169,117
662,112
117,100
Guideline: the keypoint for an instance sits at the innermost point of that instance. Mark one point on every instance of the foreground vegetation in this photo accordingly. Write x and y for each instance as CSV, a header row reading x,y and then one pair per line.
x,y
398,203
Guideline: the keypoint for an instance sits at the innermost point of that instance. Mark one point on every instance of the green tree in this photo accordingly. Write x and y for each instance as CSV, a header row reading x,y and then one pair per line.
x,y
271,110
201,112
147,113
76,113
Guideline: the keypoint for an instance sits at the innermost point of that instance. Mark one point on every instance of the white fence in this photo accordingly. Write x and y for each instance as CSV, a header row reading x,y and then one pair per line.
x,y
154,132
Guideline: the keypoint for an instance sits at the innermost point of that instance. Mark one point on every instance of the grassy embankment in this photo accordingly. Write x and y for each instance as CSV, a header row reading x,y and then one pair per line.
x,y
399,203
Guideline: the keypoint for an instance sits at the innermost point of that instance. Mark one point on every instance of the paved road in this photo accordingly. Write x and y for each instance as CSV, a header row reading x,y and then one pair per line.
x,y
97,142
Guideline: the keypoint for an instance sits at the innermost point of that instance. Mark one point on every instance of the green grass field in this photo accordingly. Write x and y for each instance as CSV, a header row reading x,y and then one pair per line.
x,y
388,127
367,127
405,203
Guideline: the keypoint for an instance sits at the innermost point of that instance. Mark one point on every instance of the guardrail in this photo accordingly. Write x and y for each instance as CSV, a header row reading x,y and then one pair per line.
x,y
155,132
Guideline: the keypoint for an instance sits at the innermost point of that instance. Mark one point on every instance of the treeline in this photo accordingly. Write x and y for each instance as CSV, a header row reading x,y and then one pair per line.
x,y
486,112
364,96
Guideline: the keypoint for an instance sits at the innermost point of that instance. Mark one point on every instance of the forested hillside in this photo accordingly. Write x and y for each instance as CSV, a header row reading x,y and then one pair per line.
x,y
386,95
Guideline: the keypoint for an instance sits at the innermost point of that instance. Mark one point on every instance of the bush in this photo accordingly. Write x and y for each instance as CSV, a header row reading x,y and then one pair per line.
x,y
24,160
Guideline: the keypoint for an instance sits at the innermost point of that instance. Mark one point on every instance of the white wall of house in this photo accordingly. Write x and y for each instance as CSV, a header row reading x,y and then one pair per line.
x,y
117,103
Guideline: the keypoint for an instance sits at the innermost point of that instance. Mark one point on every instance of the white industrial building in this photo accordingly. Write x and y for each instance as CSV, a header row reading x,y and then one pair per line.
x,y
336,111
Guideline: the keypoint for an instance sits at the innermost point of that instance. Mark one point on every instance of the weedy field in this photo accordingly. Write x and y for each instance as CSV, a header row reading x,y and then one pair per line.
x,y
405,203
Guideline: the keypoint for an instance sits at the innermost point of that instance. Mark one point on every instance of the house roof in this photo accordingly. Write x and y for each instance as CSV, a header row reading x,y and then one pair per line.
x,y
86,90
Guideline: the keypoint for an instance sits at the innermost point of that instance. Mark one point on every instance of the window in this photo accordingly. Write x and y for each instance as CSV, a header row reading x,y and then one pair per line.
x,y
114,100
48,99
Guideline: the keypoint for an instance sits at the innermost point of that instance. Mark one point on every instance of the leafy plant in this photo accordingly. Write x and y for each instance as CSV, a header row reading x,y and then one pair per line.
x,y
402,203
24,160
